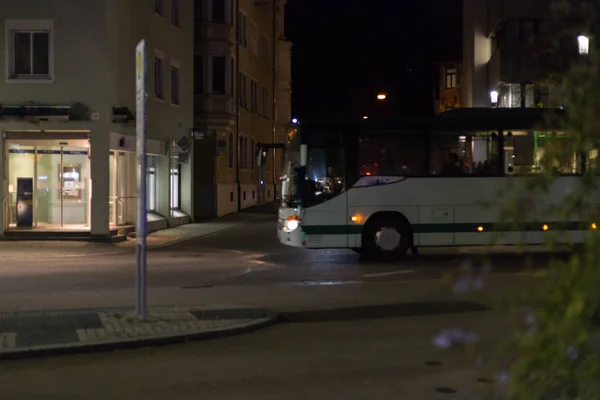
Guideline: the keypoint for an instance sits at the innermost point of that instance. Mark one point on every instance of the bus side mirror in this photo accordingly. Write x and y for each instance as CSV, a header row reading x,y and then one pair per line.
x,y
303,155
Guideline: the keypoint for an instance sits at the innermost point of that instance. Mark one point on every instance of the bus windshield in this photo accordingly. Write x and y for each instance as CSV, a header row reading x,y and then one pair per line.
x,y
323,176
290,169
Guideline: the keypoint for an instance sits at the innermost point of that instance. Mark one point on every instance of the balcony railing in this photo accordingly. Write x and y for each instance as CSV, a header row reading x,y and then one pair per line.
x,y
214,104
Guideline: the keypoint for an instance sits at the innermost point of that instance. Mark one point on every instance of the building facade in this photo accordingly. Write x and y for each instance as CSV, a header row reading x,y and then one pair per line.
x,y
242,100
509,48
449,90
68,114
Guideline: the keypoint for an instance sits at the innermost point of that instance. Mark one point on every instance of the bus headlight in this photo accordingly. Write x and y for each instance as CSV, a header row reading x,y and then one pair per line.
x,y
291,224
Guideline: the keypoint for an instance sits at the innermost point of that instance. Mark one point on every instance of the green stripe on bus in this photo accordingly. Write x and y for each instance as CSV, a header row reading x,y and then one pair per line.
x,y
452,228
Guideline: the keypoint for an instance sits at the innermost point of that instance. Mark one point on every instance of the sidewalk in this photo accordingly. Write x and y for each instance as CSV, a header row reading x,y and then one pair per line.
x,y
28,334
10,250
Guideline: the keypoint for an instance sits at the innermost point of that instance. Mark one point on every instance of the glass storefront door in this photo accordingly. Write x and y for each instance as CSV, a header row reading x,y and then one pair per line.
x,y
21,164
60,184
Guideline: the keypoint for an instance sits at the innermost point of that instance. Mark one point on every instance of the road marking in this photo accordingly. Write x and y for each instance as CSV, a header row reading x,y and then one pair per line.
x,y
401,272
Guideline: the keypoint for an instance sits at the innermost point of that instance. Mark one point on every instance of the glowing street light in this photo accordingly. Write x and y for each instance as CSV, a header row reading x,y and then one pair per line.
x,y
584,44
366,117
381,96
494,97
295,121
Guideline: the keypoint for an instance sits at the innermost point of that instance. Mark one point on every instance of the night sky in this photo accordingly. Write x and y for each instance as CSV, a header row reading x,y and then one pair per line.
x,y
346,51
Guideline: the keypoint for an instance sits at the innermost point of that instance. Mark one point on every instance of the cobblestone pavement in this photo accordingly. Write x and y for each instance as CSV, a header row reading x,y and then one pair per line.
x,y
28,332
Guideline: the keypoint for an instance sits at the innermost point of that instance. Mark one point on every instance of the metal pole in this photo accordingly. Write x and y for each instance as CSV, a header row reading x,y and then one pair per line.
x,y
62,187
35,185
237,102
274,65
171,191
141,182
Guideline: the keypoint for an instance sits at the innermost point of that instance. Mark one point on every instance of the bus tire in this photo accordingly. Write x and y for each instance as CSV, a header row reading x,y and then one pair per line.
x,y
392,225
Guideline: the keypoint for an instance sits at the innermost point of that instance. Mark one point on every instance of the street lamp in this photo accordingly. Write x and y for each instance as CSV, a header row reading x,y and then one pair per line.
x,y
584,44
494,98
381,96
366,117
295,121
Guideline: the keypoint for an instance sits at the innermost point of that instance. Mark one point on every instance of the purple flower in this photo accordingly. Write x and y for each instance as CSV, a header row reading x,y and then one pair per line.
x,y
572,353
442,341
503,379
530,320
450,337
469,281
462,285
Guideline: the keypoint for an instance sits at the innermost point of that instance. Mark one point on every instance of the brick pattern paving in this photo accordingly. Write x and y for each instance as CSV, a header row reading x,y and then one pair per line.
x,y
160,322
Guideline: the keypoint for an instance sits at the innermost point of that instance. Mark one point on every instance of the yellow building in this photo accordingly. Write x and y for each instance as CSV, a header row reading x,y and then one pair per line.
x,y
450,86
242,99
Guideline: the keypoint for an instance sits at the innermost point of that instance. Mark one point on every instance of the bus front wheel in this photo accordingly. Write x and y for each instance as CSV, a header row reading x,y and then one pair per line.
x,y
387,237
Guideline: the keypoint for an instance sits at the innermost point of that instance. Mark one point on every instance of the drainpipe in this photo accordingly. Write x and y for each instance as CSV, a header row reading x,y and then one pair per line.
x,y
274,65
237,107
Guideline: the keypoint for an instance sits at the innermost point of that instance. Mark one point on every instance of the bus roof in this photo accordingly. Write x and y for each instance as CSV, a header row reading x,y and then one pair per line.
x,y
483,119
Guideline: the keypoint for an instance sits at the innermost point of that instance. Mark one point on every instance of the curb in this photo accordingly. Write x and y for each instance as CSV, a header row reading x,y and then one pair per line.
x,y
133,343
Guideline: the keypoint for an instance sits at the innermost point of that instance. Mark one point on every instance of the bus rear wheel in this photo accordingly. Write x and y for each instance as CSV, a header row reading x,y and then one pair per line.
x,y
387,237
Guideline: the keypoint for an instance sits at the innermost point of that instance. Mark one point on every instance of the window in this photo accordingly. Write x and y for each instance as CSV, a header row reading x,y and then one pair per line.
x,y
392,155
159,7
218,75
264,50
253,96
252,155
326,168
198,74
159,89
30,54
450,78
230,154
175,76
510,95
245,153
232,78
240,152
242,91
265,101
151,183
175,12
254,38
532,152
526,30
242,29
464,153
218,11
175,187
198,12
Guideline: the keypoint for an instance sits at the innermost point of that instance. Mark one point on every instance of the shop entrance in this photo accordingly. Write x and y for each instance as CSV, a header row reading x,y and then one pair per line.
x,y
58,171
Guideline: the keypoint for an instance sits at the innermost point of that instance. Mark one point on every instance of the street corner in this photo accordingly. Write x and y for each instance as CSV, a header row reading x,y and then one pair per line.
x,y
46,333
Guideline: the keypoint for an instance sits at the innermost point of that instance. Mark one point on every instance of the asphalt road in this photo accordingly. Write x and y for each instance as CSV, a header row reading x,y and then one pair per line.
x,y
391,358
246,255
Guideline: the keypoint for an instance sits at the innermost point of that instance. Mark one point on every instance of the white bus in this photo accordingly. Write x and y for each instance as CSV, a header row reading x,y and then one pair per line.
x,y
384,188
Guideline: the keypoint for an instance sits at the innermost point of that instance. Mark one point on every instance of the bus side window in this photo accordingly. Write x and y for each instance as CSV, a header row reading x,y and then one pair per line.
x,y
392,154
471,153
532,152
